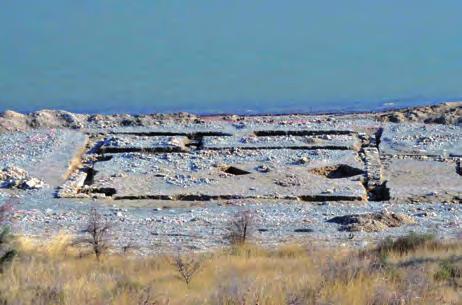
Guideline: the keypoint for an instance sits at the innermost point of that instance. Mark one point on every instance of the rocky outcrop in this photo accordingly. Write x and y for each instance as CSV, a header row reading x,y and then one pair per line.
x,y
15,177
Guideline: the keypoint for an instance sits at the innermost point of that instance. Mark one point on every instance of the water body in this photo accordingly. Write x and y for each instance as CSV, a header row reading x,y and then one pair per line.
x,y
215,56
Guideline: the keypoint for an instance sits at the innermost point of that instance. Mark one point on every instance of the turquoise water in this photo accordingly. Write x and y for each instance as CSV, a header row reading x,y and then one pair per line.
x,y
228,56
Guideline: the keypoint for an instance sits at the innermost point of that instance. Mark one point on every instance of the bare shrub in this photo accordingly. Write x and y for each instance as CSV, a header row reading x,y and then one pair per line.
x,y
128,248
187,266
240,228
96,234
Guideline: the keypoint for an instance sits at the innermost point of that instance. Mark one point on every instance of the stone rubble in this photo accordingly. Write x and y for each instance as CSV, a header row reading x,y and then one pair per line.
x,y
14,177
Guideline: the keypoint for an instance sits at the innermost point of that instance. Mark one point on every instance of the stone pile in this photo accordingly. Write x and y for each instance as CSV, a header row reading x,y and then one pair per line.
x,y
71,188
15,177
374,175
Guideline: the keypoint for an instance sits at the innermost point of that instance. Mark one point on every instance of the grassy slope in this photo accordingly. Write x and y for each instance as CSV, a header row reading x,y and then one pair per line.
x,y
291,275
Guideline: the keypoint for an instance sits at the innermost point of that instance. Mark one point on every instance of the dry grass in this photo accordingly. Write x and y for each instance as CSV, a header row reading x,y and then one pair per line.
x,y
76,162
289,275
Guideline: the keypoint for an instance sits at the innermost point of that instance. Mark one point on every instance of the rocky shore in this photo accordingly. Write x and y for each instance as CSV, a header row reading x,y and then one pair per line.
x,y
177,180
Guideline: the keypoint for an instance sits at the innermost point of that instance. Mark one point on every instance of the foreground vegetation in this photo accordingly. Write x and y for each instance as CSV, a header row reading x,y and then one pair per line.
x,y
414,269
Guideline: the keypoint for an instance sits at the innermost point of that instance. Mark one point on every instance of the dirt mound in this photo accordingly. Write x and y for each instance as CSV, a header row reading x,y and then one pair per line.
x,y
15,177
337,171
13,121
446,113
55,119
371,222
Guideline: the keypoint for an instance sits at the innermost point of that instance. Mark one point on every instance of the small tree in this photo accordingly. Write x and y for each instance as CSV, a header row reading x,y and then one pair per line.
x,y
187,266
7,252
240,228
96,234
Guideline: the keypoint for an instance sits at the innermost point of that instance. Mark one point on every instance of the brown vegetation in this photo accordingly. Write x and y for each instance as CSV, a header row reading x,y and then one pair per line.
x,y
76,162
410,270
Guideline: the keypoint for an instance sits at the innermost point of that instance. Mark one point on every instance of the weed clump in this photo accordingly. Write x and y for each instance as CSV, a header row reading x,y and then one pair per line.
x,y
406,244
449,272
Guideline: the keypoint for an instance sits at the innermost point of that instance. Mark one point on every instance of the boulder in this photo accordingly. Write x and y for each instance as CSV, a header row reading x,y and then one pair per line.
x,y
32,184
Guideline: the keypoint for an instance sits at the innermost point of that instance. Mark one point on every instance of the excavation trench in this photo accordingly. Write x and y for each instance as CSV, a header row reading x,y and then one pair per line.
x,y
378,137
102,158
379,193
271,133
234,171
107,191
91,173
120,150
184,134
305,147
204,197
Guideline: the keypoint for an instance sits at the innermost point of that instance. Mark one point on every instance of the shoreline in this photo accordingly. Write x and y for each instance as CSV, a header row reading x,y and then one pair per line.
x,y
255,113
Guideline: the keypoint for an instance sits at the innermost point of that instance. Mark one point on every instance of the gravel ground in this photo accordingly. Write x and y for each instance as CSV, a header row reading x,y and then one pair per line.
x,y
42,153
443,140
203,227
152,227
25,149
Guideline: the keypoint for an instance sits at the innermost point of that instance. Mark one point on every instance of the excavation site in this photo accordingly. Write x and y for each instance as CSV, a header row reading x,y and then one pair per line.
x,y
167,180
